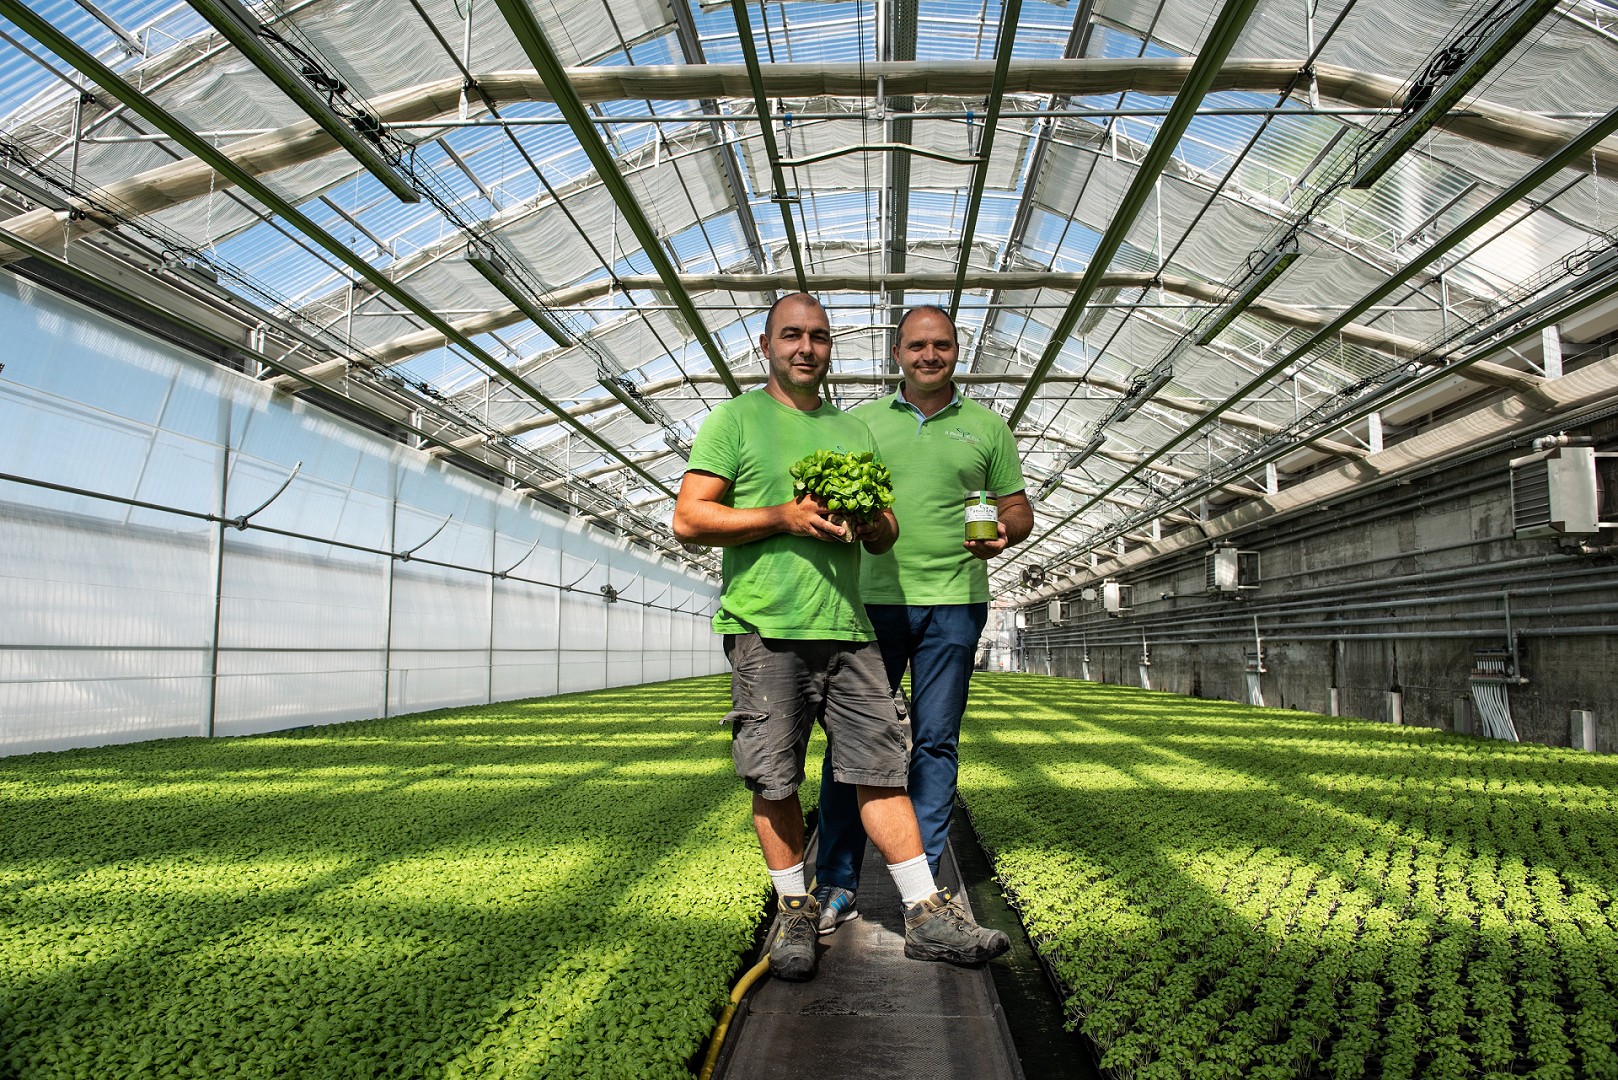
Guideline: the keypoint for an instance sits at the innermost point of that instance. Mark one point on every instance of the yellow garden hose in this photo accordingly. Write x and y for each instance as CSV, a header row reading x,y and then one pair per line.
x,y
739,991
743,984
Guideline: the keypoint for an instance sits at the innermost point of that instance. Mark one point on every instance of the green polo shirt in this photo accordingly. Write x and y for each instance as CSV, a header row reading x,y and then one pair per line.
x,y
782,586
935,461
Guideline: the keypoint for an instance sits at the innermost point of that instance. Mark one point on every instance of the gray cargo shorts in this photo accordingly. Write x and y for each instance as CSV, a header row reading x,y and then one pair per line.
x,y
779,688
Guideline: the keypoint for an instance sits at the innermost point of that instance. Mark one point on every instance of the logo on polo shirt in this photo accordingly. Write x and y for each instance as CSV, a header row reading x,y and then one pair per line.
x,y
963,435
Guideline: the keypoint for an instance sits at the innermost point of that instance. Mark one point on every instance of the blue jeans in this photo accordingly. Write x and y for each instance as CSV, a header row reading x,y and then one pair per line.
x,y
938,644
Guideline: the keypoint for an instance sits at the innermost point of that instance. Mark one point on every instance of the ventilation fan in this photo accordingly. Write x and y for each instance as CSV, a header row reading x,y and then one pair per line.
x,y
1033,577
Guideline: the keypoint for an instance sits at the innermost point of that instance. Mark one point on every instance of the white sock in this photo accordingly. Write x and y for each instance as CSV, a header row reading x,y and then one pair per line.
x,y
914,879
789,882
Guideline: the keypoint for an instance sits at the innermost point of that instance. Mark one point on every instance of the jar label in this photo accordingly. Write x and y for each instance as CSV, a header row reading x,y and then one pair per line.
x,y
985,512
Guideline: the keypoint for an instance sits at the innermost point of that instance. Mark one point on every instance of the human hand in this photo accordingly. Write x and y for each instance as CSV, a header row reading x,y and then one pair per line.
x,y
808,515
880,533
874,531
988,549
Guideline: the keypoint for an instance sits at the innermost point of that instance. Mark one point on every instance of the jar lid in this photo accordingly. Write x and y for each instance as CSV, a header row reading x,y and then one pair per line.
x,y
981,495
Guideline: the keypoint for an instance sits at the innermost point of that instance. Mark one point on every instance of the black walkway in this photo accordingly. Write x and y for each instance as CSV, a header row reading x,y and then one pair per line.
x,y
871,1013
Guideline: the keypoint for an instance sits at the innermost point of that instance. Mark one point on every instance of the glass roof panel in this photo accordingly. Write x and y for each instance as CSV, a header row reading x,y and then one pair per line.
x,y
1260,167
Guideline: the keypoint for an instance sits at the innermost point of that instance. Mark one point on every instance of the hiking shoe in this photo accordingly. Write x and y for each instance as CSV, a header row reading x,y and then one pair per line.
x,y
792,950
836,906
938,928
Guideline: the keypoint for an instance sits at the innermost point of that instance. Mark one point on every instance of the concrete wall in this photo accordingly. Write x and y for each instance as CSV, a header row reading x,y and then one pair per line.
x,y
1391,591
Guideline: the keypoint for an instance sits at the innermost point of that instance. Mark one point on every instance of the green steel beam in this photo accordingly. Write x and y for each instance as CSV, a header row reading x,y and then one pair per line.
x,y
531,36
1531,181
1221,39
240,28
901,48
991,121
110,81
766,128
685,30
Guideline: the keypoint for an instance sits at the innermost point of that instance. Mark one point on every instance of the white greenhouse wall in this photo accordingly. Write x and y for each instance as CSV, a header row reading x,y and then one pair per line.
x,y
125,622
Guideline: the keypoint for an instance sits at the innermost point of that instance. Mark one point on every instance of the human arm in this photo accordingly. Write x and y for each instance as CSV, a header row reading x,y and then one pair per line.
x,y
1015,523
701,517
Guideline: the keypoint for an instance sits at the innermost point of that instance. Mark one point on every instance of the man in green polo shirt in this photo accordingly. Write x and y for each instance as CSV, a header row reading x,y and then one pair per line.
x,y
800,645
927,597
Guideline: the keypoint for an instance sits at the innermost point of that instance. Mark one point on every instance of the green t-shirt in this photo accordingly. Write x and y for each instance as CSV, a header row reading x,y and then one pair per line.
x,y
963,447
782,586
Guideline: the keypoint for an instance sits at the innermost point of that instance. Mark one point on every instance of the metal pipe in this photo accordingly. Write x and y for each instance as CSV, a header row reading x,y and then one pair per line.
x,y
1281,607
1405,635
1283,631
1211,625
1211,613
289,533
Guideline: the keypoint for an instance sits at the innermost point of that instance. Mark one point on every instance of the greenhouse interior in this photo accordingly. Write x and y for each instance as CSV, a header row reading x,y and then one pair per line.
x,y
361,710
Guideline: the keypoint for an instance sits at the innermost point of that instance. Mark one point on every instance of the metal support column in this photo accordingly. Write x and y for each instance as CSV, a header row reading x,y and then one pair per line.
x,y
387,613
216,544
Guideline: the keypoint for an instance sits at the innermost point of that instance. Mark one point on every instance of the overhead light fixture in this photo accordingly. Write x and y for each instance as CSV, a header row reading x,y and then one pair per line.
x,y
625,391
1087,450
677,444
1051,483
1272,266
487,263
310,86
1140,393
1448,76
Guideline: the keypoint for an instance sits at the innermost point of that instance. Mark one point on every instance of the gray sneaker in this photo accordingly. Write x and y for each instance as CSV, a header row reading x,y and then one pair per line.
x,y
793,955
938,928
836,906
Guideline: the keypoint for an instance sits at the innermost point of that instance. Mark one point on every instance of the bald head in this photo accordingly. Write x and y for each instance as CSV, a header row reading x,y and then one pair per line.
x,y
796,298
920,309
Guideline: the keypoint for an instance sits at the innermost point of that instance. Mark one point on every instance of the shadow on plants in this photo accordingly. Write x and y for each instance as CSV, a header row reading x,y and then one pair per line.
x,y
552,889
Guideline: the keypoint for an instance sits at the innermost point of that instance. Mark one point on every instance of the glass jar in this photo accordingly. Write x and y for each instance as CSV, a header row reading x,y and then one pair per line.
x,y
982,515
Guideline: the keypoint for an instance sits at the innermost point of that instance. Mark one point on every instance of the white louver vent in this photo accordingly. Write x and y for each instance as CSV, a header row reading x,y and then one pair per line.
x,y
1556,492
1230,571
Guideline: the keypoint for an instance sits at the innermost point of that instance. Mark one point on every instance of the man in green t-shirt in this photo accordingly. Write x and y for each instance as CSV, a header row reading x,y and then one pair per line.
x,y
800,646
927,598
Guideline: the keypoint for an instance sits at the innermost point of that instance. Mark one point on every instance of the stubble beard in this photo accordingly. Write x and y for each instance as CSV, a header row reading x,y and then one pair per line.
x,y
791,380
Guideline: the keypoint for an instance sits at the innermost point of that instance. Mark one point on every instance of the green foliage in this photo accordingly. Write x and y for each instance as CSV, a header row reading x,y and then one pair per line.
x,y
1236,892
558,887
853,485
